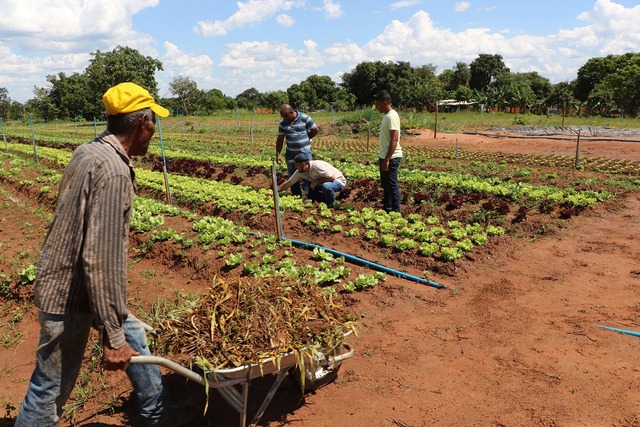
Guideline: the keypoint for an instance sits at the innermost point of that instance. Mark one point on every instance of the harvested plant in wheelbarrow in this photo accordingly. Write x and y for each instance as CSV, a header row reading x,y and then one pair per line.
x,y
247,320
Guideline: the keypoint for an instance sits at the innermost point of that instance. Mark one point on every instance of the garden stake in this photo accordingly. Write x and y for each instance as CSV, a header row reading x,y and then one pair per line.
x,y
369,131
276,202
6,146
435,123
578,151
33,136
167,187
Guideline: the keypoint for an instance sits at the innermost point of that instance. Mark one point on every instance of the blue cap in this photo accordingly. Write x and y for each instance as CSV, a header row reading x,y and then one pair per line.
x,y
305,156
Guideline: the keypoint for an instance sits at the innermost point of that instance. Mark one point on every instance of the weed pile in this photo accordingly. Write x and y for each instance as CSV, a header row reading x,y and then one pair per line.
x,y
250,319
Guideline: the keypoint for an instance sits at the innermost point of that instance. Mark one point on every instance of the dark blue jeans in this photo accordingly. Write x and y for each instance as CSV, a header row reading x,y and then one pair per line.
x,y
291,168
391,189
63,338
326,192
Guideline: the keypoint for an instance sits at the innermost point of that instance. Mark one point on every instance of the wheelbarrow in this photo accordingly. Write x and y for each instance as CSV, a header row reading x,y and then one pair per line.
x,y
232,384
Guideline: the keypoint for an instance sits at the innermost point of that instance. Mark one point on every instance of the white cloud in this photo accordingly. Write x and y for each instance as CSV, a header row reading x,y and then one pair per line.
x,y
177,63
462,6
332,10
69,26
248,13
285,20
404,3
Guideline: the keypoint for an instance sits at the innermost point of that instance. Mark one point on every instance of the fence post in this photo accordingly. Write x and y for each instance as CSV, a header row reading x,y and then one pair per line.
x,y
578,151
435,125
33,136
4,135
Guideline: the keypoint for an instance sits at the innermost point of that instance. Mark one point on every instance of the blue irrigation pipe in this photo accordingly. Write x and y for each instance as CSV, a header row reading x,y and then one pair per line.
x,y
623,331
372,265
164,166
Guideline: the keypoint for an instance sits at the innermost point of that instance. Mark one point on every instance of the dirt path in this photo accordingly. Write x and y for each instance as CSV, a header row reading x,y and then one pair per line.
x,y
514,345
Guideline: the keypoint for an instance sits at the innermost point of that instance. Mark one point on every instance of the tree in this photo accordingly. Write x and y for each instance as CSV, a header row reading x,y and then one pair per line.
x,y
485,69
324,91
215,100
561,96
345,100
71,95
123,64
41,107
612,80
5,103
273,100
249,99
461,75
400,79
302,96
187,92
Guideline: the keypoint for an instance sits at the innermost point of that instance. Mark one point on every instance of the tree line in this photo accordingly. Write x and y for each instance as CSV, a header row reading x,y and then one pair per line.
x,y
604,86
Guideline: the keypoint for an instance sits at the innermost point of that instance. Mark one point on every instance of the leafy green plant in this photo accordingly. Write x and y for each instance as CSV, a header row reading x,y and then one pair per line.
x,y
234,260
494,230
27,275
321,254
428,249
450,254
406,244
353,232
387,240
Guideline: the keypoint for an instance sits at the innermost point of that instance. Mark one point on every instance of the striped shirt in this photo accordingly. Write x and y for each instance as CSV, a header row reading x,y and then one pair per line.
x,y
83,262
296,133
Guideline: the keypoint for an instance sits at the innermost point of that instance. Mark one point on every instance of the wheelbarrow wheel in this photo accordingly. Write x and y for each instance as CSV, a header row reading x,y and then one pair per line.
x,y
313,380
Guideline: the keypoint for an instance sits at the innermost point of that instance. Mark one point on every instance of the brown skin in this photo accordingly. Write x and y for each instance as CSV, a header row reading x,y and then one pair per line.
x,y
289,114
135,143
384,107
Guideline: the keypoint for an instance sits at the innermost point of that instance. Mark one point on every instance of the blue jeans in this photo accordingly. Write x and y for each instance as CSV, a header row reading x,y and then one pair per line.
x,y
63,339
391,189
326,192
291,168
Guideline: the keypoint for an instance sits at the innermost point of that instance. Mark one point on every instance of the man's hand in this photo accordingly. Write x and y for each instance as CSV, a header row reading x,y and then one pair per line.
x,y
277,157
385,165
117,358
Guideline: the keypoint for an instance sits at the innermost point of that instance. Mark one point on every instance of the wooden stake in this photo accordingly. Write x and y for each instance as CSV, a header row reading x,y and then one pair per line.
x,y
578,151
435,126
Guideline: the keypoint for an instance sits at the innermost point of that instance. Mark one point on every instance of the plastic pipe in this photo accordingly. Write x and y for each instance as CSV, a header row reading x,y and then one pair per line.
x,y
623,331
369,264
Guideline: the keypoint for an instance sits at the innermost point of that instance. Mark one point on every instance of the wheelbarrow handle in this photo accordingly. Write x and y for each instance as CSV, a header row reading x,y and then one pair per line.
x,y
213,382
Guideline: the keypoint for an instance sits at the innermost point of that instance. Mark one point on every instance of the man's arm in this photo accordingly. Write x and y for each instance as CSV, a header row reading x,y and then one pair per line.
x,y
279,144
105,267
313,132
394,134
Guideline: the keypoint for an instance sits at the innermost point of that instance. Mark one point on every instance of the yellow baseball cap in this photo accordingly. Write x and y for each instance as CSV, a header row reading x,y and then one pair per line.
x,y
129,97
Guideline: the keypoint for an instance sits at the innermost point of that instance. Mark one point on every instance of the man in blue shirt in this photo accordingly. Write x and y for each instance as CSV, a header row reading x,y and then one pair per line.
x,y
296,129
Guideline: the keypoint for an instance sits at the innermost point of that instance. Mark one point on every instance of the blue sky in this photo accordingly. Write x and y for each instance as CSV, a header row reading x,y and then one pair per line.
x,y
272,44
